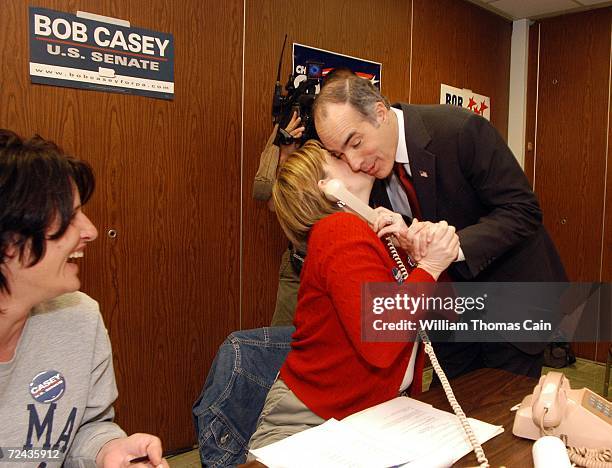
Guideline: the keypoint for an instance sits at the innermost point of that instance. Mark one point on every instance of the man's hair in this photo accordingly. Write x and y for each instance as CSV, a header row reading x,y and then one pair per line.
x,y
338,73
352,89
298,201
36,191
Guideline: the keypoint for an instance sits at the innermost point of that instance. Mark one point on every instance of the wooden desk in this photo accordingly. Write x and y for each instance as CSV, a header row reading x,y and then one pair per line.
x,y
488,395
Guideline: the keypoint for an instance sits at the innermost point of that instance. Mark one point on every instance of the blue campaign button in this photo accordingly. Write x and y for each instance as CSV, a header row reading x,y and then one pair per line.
x,y
47,386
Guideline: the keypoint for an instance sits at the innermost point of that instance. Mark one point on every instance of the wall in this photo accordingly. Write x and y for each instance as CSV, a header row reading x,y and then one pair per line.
x,y
443,51
531,106
517,99
196,257
570,129
167,284
378,31
462,45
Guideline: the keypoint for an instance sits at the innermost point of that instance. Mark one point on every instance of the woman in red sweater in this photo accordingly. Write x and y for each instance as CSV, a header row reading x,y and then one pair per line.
x,y
330,372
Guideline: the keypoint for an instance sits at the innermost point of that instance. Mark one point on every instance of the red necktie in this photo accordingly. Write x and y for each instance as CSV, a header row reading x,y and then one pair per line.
x,y
400,171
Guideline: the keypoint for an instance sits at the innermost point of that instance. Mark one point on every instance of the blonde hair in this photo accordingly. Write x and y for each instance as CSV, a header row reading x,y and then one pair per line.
x,y
298,201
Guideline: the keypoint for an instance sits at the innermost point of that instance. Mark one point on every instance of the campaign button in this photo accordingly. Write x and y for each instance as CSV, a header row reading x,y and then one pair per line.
x,y
47,386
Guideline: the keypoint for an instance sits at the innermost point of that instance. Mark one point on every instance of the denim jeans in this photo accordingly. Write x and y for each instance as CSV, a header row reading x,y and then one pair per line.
x,y
226,413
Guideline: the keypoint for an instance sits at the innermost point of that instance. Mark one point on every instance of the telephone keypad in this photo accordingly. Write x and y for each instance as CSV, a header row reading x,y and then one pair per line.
x,y
600,406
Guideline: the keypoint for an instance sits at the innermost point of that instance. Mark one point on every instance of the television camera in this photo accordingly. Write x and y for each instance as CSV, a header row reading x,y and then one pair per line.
x,y
299,96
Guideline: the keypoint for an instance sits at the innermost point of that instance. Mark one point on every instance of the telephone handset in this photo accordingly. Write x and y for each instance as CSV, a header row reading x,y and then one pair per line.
x,y
580,418
550,397
336,191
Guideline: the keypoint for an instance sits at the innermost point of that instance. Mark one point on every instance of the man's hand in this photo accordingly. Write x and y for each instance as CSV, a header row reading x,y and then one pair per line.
x,y
118,452
414,240
442,250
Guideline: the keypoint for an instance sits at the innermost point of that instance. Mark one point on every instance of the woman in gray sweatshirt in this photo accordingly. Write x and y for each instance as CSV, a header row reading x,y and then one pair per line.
x,y
57,384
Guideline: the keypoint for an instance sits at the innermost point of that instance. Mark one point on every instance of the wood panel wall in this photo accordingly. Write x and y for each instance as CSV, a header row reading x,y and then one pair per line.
x,y
601,353
443,51
196,257
607,243
572,150
378,31
462,45
571,136
532,97
168,284
606,271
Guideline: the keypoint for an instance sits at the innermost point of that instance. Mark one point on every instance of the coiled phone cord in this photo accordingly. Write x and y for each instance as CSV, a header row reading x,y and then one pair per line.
x,y
590,458
580,456
480,455
397,259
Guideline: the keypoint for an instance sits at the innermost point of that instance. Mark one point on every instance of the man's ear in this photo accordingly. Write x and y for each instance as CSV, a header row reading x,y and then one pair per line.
x,y
381,112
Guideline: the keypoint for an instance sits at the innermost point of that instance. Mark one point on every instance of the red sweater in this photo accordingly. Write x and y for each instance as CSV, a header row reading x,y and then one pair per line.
x,y
329,368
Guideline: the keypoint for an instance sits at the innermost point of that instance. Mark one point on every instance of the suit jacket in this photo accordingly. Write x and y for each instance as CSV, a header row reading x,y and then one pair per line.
x,y
464,173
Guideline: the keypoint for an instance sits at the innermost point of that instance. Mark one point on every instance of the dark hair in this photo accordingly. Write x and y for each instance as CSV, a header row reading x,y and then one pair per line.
x,y
347,87
36,188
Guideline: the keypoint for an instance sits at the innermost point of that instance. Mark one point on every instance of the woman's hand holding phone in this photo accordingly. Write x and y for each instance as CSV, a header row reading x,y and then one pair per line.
x,y
413,239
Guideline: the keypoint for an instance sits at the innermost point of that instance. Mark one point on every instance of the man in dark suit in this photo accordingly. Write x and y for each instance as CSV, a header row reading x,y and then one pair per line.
x,y
458,169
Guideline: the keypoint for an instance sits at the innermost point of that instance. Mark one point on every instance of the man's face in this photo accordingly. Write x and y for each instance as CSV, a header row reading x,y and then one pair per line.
x,y
366,147
355,182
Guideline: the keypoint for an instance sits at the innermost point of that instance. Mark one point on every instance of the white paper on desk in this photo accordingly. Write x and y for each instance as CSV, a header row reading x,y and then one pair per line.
x,y
332,444
430,436
456,446
399,431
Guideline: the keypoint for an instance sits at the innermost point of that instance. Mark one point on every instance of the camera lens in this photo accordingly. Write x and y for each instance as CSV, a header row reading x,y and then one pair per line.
x,y
313,70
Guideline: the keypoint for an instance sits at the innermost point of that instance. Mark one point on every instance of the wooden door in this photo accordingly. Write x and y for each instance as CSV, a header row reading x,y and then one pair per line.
x,y
571,139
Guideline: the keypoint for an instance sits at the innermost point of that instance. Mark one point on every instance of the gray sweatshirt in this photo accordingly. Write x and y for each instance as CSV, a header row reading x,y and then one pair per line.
x,y
56,394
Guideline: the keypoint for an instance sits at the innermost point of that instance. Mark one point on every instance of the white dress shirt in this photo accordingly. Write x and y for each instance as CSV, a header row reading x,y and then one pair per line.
x,y
395,190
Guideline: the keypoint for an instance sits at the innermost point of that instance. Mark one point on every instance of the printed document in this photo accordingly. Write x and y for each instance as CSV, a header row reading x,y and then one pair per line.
x,y
399,432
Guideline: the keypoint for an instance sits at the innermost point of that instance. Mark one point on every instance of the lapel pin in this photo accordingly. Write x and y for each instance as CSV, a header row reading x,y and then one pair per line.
x,y
423,174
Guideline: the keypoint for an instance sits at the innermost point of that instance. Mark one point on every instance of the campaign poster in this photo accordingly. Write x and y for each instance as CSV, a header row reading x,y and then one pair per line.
x,y
99,53
467,99
302,55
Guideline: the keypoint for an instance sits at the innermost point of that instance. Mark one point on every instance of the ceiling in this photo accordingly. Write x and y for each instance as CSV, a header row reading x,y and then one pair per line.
x,y
534,9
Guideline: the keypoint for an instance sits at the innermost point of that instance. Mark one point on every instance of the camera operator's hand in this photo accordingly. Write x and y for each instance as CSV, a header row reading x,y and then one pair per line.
x,y
294,129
